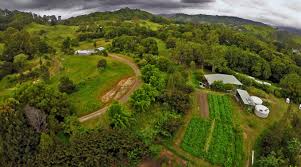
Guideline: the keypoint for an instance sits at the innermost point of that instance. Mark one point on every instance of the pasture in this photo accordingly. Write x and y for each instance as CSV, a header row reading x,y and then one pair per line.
x,y
91,82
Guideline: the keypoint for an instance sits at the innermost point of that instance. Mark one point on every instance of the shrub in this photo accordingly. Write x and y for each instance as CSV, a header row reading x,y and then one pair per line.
x,y
218,85
66,85
102,64
199,75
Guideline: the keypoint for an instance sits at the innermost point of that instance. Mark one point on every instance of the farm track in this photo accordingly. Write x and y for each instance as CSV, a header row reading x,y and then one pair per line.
x,y
125,97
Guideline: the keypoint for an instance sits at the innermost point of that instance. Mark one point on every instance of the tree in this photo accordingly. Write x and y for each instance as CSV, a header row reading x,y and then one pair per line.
x,y
66,85
20,61
46,142
292,84
294,150
18,140
95,148
102,64
36,118
118,116
217,58
55,104
218,85
66,46
270,161
143,98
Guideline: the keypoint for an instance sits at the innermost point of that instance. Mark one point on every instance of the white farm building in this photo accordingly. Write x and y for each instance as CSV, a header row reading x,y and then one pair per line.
x,y
226,79
88,52
253,101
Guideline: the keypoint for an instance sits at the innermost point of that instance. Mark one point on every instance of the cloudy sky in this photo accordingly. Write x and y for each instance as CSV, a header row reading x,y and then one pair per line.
x,y
274,12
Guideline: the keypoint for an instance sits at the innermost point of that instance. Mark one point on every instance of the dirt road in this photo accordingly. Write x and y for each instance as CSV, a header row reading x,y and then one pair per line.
x,y
124,98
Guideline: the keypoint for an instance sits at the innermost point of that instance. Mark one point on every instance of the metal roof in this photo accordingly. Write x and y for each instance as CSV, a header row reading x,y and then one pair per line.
x,y
245,97
226,79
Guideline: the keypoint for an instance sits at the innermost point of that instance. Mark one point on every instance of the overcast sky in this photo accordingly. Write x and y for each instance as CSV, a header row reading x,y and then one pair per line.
x,y
275,12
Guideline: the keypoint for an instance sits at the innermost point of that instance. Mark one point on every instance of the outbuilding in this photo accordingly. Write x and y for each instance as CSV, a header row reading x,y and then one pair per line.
x,y
244,97
226,79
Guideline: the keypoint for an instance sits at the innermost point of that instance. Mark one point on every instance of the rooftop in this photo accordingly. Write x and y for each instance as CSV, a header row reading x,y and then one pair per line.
x,y
226,79
245,97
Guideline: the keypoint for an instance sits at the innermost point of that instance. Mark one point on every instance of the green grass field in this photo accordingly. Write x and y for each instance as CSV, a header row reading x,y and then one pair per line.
x,y
54,35
91,82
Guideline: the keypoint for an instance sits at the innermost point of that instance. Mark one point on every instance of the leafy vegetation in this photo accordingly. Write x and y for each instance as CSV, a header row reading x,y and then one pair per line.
x,y
39,123
216,140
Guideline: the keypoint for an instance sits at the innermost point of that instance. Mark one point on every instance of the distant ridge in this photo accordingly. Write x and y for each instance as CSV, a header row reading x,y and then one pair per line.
x,y
201,18
290,29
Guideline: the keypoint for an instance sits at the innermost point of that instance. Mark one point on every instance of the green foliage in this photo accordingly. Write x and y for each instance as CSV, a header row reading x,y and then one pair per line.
x,y
143,98
216,139
95,148
20,61
270,161
18,140
102,64
67,46
292,84
46,142
118,116
152,75
196,136
218,85
66,85
52,102
280,143
133,44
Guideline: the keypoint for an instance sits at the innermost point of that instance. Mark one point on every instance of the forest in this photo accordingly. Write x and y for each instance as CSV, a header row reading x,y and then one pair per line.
x,y
45,89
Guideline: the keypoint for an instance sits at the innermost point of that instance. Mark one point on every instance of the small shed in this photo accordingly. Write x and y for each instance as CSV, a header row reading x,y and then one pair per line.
x,y
262,111
244,97
300,107
226,79
101,49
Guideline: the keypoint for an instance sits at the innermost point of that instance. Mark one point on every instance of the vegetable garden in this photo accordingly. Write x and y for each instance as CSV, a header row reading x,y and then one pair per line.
x,y
217,139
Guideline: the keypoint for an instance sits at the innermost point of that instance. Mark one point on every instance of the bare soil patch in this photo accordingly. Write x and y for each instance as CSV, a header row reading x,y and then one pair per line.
x,y
119,90
203,105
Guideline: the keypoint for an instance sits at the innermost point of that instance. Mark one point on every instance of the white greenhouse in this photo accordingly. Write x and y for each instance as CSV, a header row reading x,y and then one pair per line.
x,y
262,111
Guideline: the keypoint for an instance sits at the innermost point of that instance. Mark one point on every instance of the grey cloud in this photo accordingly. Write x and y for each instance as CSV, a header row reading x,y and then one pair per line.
x,y
277,12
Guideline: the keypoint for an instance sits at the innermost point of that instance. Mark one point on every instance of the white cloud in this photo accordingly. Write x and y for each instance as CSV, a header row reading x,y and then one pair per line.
x,y
275,12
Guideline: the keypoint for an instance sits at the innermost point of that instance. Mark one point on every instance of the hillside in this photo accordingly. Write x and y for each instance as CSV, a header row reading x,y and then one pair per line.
x,y
228,20
129,88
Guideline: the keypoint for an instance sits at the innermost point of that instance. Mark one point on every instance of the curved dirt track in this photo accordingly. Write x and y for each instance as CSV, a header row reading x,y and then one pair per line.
x,y
124,98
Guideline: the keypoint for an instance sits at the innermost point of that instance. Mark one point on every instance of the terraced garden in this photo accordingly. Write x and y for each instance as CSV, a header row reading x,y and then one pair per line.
x,y
216,139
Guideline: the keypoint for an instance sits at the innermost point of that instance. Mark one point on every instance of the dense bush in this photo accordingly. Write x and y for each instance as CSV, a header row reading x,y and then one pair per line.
x,y
102,64
66,85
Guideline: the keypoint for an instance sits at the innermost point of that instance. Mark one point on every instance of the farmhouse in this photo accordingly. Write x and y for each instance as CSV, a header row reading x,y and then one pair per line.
x,y
226,79
89,52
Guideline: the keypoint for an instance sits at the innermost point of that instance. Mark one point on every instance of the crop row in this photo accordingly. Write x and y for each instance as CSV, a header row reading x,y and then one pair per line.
x,y
196,136
226,144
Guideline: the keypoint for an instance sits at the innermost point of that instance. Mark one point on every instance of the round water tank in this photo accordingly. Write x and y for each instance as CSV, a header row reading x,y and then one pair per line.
x,y
256,100
262,111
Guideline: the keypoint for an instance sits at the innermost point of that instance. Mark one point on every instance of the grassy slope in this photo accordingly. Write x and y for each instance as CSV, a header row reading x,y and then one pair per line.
x,y
92,83
54,34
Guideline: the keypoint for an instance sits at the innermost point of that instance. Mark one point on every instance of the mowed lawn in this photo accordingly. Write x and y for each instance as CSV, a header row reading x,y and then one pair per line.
x,y
91,82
